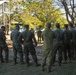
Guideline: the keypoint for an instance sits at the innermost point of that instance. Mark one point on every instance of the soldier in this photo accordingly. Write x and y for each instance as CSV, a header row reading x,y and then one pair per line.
x,y
58,42
28,38
17,48
73,41
48,36
3,45
67,43
39,32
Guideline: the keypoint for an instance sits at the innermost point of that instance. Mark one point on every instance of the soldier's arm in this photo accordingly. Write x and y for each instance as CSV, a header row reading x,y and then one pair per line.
x,y
3,36
54,36
20,38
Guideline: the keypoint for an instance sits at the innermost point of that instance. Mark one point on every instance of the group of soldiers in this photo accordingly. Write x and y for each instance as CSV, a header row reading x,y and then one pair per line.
x,y
26,38
60,42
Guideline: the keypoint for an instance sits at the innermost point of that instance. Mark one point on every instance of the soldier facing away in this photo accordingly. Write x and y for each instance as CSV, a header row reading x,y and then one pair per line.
x,y
28,38
67,43
73,41
17,48
3,45
58,46
39,32
48,36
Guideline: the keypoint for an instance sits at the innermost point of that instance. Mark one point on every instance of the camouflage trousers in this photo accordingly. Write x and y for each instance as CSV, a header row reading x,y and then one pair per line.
x,y
30,49
5,48
18,49
48,53
67,52
73,50
58,49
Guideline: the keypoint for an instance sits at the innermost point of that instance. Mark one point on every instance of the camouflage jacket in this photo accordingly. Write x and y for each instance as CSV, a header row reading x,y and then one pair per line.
x,y
14,36
27,37
58,36
48,36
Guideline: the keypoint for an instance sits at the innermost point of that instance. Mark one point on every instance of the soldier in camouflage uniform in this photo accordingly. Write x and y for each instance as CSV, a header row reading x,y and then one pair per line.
x,y
28,38
17,48
3,45
58,46
67,43
73,41
48,36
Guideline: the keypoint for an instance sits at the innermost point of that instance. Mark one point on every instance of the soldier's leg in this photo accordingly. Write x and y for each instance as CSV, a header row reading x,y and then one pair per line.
x,y
6,52
15,54
72,51
60,55
65,53
50,60
54,53
33,53
44,57
20,52
1,56
75,51
26,52
40,39
69,52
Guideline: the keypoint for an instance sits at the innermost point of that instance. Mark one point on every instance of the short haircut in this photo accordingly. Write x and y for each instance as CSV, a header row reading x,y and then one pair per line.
x,y
3,27
66,25
26,26
48,24
58,25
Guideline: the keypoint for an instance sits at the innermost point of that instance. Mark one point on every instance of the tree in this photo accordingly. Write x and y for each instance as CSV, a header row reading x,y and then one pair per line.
x,y
37,13
44,11
69,6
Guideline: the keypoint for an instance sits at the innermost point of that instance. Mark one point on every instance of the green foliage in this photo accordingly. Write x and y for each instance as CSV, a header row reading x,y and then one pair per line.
x,y
38,13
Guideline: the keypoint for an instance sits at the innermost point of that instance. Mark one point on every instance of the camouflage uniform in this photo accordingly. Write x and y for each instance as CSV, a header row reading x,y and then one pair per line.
x,y
73,43
67,44
48,37
58,45
17,48
3,46
28,38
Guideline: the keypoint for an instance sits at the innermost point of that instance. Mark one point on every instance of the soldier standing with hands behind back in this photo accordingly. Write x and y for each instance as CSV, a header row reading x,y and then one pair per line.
x,y
28,37
58,42
67,43
17,48
48,36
